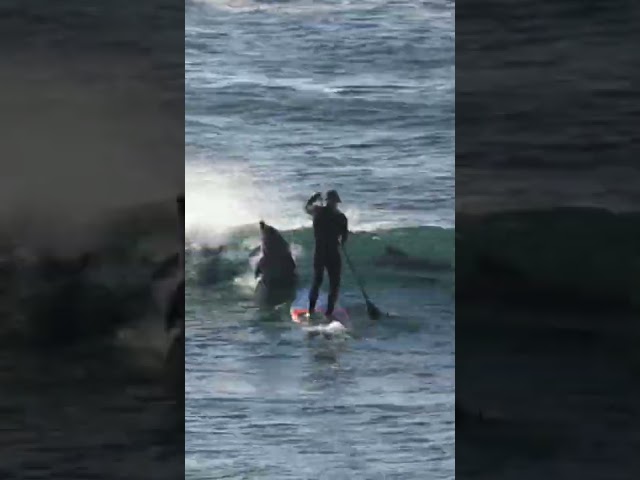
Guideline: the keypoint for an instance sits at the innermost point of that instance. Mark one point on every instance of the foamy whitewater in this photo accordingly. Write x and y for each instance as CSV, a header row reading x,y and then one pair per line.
x,y
284,99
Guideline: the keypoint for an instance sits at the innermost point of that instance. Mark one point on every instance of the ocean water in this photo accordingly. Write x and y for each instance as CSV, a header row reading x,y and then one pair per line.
x,y
283,99
536,116
82,344
547,301
83,358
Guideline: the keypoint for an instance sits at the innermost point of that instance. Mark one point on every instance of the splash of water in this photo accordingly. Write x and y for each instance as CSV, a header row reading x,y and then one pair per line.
x,y
221,197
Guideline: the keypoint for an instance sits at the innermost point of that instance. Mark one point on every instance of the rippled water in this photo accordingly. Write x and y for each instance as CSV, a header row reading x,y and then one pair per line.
x,y
263,402
88,88
545,109
85,414
283,99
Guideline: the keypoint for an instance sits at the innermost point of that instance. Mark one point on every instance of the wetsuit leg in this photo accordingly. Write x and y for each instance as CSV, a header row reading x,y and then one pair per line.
x,y
334,269
318,272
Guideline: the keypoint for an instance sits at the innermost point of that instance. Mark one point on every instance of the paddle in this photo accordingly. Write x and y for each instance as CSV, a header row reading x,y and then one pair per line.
x,y
373,311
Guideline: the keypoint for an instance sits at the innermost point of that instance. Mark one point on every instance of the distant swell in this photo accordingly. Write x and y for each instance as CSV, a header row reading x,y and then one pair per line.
x,y
577,258
87,297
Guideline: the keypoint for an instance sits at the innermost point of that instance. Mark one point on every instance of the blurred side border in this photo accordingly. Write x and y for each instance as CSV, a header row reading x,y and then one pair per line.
x,y
547,240
91,239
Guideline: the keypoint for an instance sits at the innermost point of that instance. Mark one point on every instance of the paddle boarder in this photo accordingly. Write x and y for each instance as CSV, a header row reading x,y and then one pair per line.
x,y
330,229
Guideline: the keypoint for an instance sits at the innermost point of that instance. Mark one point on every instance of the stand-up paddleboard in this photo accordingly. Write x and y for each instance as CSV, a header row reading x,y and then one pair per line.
x,y
318,322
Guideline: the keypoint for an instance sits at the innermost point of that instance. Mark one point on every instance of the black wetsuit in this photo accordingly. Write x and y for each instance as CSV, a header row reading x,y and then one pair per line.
x,y
329,226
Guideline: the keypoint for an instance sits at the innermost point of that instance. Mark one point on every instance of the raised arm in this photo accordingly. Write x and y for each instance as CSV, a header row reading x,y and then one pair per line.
x,y
309,207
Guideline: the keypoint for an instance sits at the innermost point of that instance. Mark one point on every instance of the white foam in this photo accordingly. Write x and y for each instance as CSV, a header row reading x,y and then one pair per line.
x,y
335,327
221,197
295,8
246,282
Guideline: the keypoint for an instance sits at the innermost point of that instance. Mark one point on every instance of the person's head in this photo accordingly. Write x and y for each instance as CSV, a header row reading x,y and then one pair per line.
x,y
333,199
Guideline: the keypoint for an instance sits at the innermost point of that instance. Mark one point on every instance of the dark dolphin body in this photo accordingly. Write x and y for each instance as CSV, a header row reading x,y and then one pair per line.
x,y
396,258
174,361
175,321
276,269
70,300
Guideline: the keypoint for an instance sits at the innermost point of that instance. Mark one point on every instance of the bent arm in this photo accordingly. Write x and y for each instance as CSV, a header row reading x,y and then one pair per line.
x,y
309,207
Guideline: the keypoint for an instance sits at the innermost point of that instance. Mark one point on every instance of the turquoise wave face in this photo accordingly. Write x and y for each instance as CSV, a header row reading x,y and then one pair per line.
x,y
418,254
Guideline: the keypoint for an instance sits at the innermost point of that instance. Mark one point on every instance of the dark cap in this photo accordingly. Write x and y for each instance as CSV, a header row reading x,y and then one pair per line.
x,y
333,195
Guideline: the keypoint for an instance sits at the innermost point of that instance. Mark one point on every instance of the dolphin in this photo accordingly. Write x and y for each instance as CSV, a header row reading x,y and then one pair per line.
x,y
174,360
276,268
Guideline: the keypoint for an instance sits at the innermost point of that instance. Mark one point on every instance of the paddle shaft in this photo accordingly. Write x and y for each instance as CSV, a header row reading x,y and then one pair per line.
x,y
355,274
